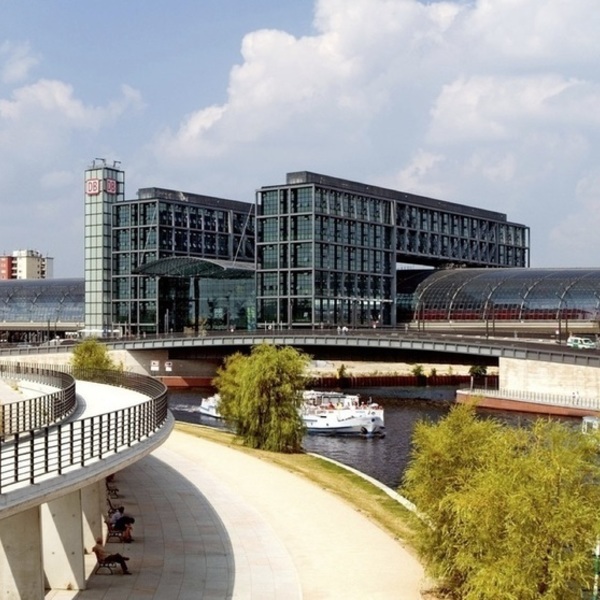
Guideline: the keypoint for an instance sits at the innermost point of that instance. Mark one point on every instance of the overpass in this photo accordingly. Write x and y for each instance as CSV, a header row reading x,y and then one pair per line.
x,y
57,448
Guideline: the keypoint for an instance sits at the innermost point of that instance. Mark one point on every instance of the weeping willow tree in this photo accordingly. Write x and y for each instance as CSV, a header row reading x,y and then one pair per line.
x,y
261,396
511,512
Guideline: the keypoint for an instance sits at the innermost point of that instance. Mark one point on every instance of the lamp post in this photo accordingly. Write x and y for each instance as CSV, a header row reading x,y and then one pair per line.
x,y
596,570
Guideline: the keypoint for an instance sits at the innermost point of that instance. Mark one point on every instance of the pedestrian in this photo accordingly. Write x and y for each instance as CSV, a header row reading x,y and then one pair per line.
x,y
103,556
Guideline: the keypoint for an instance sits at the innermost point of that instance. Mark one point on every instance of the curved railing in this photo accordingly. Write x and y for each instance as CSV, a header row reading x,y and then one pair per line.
x,y
35,455
41,411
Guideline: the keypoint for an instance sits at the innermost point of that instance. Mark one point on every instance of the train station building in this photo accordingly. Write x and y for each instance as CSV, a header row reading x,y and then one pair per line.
x,y
313,252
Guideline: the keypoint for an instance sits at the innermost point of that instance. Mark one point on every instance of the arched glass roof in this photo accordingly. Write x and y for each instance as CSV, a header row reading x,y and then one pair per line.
x,y
42,300
515,294
188,266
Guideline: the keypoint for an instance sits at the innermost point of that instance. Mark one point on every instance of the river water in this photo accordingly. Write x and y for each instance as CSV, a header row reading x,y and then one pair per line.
x,y
383,458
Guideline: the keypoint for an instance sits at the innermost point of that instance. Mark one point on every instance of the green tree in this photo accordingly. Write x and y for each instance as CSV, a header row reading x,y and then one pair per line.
x,y
477,370
510,512
91,360
261,396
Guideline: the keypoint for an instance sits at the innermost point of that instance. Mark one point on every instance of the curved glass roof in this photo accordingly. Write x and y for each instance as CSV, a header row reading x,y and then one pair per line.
x,y
519,294
42,300
188,266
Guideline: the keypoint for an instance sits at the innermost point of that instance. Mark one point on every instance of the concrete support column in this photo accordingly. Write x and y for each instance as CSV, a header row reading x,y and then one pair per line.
x,y
93,504
62,542
21,568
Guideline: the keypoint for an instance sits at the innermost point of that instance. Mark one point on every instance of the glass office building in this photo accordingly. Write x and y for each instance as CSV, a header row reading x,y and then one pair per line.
x,y
151,293
328,248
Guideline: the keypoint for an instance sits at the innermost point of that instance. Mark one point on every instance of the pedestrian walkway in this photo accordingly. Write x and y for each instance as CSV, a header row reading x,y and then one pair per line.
x,y
215,523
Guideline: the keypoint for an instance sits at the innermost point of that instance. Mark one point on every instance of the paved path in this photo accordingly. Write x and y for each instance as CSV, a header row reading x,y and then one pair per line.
x,y
215,523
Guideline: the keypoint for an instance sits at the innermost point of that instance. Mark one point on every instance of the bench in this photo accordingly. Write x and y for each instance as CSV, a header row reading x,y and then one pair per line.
x,y
112,491
111,508
113,533
104,563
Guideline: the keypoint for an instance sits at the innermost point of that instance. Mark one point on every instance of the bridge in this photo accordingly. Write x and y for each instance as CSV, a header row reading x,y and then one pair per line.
x,y
56,452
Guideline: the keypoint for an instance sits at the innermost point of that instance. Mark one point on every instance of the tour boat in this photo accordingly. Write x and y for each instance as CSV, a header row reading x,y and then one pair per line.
x,y
209,407
335,413
331,413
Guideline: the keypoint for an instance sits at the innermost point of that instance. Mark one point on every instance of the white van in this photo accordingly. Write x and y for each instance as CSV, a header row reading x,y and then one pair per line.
x,y
581,342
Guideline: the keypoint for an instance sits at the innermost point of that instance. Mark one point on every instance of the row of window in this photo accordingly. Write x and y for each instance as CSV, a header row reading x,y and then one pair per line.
x,y
325,312
331,284
184,216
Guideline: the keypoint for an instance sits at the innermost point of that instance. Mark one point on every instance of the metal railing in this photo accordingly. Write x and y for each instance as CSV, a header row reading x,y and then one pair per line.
x,y
33,456
41,411
573,400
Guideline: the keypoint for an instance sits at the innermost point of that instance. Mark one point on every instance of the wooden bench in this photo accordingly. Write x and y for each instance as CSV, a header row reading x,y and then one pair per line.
x,y
111,490
104,563
111,508
113,533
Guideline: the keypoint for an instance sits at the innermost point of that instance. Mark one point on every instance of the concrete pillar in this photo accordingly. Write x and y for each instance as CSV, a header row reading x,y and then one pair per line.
x,y
62,543
21,568
93,504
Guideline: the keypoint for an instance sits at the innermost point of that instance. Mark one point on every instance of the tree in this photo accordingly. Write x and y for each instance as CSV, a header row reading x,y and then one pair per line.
x,y
511,512
261,396
90,359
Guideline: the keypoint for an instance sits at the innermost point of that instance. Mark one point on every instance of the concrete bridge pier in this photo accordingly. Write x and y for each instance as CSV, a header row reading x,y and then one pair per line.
x,y
93,505
21,565
62,542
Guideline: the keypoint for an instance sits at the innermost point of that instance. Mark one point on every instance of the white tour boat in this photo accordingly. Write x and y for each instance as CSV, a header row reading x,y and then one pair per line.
x,y
326,412
337,413
209,407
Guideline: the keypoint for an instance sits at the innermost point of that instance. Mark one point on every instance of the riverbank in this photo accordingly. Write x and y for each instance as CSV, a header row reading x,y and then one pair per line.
x,y
332,369
331,515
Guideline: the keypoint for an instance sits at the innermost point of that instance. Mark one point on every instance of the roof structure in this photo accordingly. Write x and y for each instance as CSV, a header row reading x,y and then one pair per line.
x,y
189,266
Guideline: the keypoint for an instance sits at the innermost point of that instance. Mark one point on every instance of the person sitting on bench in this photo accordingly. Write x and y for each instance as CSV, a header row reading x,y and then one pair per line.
x,y
103,557
124,523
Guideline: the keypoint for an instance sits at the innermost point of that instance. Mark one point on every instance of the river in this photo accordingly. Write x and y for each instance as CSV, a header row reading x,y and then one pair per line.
x,y
383,458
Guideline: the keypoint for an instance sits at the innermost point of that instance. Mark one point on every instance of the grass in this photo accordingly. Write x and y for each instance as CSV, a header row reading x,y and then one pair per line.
x,y
366,498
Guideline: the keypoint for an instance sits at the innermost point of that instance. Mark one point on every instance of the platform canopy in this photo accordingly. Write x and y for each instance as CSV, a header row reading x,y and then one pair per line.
x,y
188,266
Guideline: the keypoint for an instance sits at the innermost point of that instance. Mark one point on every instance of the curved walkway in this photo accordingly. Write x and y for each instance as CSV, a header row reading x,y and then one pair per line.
x,y
215,523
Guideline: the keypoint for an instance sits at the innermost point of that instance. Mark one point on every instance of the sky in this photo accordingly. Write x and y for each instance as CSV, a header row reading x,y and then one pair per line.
x,y
488,103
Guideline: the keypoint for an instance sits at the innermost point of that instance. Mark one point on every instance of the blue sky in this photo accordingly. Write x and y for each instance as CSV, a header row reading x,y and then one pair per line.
x,y
490,103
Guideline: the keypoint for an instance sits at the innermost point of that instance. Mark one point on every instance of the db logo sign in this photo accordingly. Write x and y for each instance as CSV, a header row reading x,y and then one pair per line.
x,y
92,187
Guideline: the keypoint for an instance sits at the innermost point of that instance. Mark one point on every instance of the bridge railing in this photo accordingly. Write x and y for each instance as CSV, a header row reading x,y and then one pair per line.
x,y
43,410
573,400
33,456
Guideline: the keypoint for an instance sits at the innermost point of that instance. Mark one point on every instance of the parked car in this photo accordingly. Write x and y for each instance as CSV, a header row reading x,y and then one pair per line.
x,y
581,342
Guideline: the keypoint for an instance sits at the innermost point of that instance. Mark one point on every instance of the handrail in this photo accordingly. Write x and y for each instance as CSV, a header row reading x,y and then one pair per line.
x,y
32,456
41,411
573,400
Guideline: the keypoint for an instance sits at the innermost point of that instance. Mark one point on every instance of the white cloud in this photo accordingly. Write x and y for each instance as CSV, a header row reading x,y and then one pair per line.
x,y
16,61
493,103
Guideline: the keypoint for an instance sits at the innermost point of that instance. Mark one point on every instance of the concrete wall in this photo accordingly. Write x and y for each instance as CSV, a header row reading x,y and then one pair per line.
x,y
549,378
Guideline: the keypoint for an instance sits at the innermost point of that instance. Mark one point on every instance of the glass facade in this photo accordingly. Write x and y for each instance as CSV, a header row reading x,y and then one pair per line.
x,y
161,224
327,248
324,258
567,295
41,308
104,186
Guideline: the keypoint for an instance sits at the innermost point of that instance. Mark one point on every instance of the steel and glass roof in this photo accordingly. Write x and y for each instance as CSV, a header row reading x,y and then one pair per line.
x,y
187,266
456,294
42,300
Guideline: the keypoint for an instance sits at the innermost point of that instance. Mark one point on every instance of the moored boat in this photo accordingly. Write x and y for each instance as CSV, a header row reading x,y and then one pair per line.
x,y
332,413
335,413
209,407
